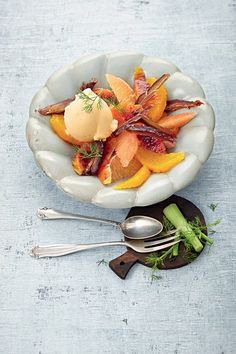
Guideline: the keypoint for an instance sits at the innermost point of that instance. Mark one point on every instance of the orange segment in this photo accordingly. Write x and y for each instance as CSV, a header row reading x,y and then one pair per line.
x,y
104,174
123,92
150,80
159,104
78,164
139,74
159,162
58,126
135,181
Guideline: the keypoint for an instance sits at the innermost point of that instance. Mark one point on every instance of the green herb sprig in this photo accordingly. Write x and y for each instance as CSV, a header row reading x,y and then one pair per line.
x,y
102,261
89,101
157,259
155,277
93,151
197,227
213,206
111,102
167,226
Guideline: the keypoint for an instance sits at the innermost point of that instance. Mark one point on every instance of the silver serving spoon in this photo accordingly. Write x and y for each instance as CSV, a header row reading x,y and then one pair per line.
x,y
135,227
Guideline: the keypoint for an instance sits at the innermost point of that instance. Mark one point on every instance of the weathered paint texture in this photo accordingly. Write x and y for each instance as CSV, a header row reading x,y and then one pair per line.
x,y
73,305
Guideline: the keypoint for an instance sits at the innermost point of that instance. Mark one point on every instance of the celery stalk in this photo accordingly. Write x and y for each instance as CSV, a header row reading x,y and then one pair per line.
x,y
206,238
175,250
175,216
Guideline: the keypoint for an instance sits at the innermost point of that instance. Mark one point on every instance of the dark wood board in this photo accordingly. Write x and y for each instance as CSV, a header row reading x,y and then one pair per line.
x,y
122,264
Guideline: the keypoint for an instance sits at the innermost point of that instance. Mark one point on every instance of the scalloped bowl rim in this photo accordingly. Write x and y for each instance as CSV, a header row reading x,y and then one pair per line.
x,y
54,156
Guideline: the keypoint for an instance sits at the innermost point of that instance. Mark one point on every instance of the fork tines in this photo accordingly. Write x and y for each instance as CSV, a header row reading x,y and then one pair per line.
x,y
159,241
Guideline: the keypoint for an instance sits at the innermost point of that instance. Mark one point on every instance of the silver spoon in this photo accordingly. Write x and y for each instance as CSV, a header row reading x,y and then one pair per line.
x,y
135,227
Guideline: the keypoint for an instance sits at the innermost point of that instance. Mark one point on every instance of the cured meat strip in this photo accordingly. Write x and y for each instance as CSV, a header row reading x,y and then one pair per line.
x,y
55,108
174,105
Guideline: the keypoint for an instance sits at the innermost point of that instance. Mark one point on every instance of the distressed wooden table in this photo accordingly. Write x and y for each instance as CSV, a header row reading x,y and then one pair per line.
x,y
73,305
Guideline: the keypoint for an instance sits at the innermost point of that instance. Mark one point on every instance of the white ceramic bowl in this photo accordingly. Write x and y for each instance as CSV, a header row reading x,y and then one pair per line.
x,y
54,156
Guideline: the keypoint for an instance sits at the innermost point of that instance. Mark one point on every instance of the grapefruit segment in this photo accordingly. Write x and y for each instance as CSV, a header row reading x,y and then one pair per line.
x,y
123,92
140,84
104,171
127,146
177,120
118,171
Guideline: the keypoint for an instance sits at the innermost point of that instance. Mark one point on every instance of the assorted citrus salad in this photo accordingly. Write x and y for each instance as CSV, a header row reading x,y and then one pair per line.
x,y
121,133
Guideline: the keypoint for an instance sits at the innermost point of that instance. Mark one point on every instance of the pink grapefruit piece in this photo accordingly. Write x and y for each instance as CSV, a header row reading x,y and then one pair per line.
x,y
123,92
126,148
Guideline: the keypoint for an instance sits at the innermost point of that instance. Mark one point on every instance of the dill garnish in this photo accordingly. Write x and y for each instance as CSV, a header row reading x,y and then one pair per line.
x,y
155,277
190,255
197,227
102,261
157,259
213,206
89,101
167,226
93,152
111,102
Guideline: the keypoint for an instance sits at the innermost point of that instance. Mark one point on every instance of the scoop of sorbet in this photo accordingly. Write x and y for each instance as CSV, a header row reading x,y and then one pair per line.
x,y
97,124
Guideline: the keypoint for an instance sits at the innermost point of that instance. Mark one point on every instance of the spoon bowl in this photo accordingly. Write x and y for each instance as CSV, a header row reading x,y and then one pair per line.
x,y
141,227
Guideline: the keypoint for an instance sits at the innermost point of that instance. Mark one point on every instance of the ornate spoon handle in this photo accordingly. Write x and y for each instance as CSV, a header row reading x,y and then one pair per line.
x,y
52,214
58,250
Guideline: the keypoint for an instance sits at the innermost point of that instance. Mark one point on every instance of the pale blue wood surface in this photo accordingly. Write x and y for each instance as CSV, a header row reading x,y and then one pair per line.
x,y
70,305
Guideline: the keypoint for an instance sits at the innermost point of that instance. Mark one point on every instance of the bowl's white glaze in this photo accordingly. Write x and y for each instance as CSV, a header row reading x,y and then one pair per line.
x,y
54,156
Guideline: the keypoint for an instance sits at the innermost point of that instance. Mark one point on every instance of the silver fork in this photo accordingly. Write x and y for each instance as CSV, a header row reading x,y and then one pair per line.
x,y
141,246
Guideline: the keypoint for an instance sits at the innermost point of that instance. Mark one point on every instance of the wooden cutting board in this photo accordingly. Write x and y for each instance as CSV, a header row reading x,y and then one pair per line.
x,y
122,264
